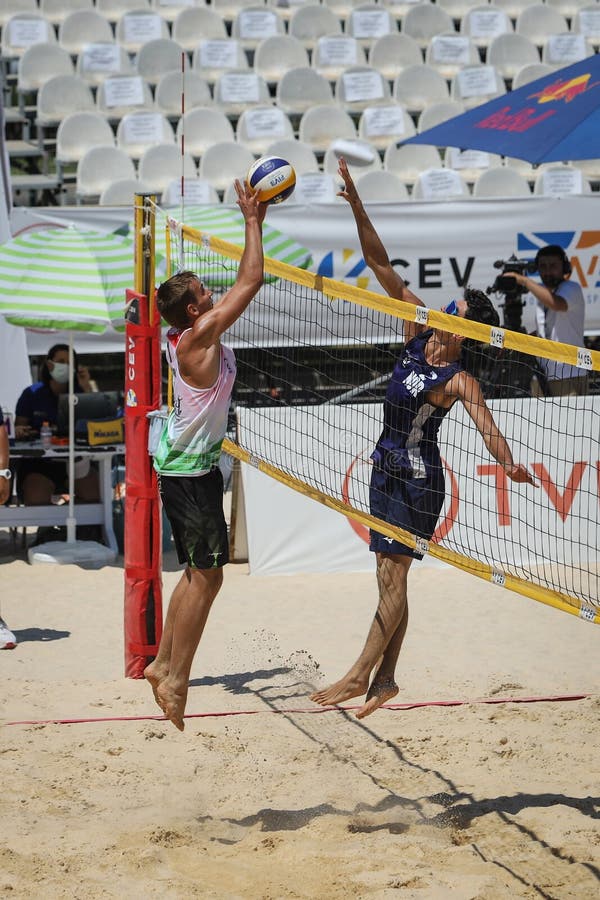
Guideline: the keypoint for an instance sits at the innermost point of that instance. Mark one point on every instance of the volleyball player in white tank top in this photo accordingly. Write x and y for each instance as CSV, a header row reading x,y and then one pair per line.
x,y
190,481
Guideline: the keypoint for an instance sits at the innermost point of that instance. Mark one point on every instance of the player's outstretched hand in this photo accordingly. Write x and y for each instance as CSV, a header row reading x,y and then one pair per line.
x,y
349,191
520,474
248,202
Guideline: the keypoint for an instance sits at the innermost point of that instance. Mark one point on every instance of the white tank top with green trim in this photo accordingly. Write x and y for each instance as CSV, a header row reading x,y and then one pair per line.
x,y
190,443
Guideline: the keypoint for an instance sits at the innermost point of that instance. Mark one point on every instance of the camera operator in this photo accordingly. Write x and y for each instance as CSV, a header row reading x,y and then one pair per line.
x,y
560,316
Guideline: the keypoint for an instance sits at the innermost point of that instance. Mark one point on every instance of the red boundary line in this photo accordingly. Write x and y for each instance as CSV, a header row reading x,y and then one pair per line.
x,y
311,711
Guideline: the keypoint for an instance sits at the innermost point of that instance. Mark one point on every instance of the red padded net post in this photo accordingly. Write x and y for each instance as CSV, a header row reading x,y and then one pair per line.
x,y
143,542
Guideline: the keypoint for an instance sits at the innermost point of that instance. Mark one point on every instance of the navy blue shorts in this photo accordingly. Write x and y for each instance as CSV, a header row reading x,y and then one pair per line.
x,y
413,504
194,508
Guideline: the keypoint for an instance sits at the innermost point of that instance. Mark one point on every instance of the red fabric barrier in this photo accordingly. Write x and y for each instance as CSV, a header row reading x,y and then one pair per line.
x,y
143,545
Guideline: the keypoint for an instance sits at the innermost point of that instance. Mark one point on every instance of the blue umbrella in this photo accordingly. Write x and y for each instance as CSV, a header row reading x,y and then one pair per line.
x,y
555,118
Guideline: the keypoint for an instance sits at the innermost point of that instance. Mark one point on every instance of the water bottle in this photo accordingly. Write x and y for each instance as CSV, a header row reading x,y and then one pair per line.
x,y
46,435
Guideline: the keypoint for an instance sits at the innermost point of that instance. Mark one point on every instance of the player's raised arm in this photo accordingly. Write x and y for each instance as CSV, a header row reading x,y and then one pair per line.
x,y
374,253
210,327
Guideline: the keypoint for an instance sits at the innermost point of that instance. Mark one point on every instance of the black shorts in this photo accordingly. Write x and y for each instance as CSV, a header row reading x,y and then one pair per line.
x,y
413,504
194,508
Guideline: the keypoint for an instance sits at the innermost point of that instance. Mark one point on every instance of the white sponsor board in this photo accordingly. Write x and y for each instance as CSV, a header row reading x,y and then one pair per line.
x,y
512,527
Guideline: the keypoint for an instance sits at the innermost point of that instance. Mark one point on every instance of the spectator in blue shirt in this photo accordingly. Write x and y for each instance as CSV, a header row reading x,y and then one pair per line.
x,y
7,639
38,479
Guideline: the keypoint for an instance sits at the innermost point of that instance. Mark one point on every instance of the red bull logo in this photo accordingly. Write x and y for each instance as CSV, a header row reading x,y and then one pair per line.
x,y
564,90
520,120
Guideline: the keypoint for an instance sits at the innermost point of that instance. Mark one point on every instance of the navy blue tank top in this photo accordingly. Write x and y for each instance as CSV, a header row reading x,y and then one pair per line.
x,y
408,445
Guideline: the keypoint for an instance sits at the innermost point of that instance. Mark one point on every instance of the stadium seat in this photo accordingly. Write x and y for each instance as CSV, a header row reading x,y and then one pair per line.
x,y
276,55
417,87
501,181
341,8
258,127
98,168
423,21
512,8
561,180
456,8
359,87
510,52
114,10
84,26
470,164
204,126
331,159
221,163
320,125
529,73
196,23
101,60
137,27
123,94
440,184
368,22
79,132
56,11
383,124
538,22
484,23
253,24
286,9
586,22
316,187
228,9
236,90
61,95
392,53
409,160
139,130
156,58
24,31
523,167
566,49
590,168
381,187
399,8
161,163
449,52
333,53
215,56
39,63
474,85
195,190
9,8
298,154
568,8
122,192
439,112
309,23
301,88
170,9
168,93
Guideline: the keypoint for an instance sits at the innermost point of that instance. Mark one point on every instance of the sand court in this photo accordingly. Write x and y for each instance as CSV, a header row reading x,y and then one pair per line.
x,y
261,797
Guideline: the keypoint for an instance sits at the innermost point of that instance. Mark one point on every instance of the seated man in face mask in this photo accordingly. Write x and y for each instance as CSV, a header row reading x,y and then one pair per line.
x,y
38,479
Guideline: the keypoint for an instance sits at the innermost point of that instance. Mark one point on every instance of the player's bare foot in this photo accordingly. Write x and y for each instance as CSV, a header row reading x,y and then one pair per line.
x,y
172,703
154,675
381,690
344,689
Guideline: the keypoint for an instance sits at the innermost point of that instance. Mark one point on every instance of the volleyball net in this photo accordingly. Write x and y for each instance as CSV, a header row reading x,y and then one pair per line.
x,y
314,359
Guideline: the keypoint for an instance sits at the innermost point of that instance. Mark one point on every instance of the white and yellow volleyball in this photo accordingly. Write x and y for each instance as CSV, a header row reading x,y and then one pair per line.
x,y
273,178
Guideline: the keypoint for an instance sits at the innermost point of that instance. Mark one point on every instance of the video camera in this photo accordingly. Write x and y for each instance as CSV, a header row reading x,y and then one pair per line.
x,y
504,285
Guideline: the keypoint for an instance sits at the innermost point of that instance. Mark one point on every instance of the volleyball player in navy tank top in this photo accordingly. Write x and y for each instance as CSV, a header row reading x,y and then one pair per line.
x,y
407,482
